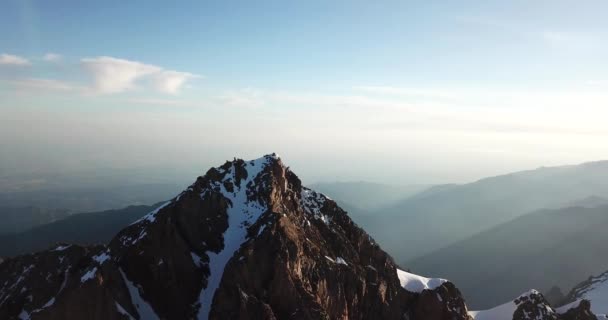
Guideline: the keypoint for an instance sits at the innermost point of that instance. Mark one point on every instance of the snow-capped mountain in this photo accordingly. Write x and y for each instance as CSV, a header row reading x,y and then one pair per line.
x,y
244,241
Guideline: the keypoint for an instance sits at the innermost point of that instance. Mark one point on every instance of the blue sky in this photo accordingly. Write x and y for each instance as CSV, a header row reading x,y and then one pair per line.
x,y
451,90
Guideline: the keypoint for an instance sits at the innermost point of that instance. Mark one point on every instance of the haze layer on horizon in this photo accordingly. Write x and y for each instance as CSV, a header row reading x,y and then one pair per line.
x,y
344,90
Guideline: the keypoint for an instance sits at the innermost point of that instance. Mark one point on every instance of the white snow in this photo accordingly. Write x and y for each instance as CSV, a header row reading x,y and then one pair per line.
x,y
89,275
122,310
143,308
415,283
339,260
151,217
596,292
196,259
241,213
148,218
24,315
62,247
312,202
262,228
566,307
101,258
49,303
504,311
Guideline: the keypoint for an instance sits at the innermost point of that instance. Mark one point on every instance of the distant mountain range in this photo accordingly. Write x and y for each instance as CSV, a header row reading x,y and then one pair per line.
x,y
83,228
90,199
539,250
367,196
443,215
17,219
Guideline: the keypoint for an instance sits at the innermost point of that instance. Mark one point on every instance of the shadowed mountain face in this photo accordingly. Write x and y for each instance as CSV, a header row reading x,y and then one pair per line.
x,y
538,250
83,228
447,214
245,241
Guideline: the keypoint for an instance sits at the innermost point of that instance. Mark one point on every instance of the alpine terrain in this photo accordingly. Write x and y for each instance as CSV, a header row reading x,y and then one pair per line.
x,y
244,241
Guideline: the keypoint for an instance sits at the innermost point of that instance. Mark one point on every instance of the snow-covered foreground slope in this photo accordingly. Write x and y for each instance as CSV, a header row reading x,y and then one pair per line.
x,y
594,289
533,306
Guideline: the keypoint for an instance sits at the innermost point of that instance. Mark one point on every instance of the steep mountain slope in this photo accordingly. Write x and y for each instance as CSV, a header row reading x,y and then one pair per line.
x,y
245,241
82,228
18,219
454,213
538,250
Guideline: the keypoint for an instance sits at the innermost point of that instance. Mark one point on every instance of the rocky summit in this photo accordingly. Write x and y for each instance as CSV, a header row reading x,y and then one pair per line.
x,y
244,241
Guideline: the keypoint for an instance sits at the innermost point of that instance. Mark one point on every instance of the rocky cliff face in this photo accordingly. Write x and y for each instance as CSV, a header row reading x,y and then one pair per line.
x,y
244,241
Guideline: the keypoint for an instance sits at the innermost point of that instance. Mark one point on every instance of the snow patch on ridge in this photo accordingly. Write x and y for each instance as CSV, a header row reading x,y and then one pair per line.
x,y
88,275
122,311
415,283
312,202
62,247
144,309
151,217
102,257
242,212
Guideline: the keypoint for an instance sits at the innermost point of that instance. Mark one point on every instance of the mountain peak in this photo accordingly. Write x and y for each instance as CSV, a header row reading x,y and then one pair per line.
x,y
246,240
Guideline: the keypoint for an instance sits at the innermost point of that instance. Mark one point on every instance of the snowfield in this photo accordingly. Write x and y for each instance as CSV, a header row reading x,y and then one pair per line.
x,y
415,283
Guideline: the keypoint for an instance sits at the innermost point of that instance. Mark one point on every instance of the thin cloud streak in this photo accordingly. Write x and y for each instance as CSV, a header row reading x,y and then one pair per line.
x,y
112,75
13,60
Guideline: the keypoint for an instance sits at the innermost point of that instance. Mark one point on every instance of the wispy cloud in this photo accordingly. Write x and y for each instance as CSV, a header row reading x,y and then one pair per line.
x,y
13,60
52,57
171,82
113,75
